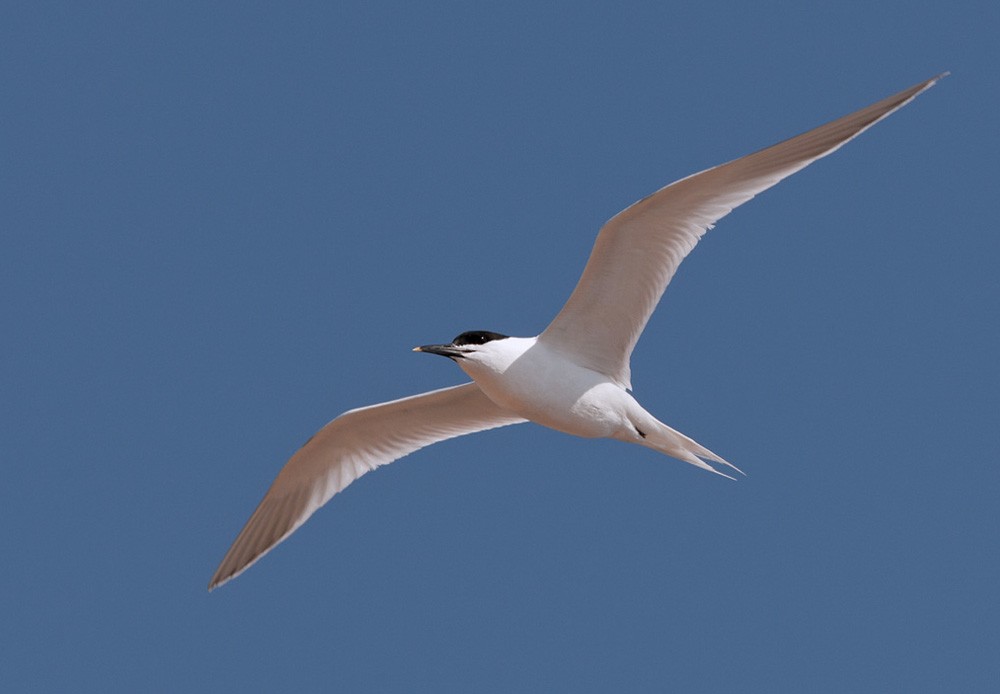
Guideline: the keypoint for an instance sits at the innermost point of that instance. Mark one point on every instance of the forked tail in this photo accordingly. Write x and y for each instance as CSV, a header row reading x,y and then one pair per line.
x,y
658,436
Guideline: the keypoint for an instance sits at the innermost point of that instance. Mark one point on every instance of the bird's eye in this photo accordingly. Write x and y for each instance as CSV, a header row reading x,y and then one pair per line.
x,y
477,337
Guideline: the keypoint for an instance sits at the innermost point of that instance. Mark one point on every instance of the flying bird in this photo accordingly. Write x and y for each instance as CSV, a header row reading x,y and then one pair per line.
x,y
573,377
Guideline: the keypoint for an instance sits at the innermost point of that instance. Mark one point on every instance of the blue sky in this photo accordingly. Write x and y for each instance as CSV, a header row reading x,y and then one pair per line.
x,y
224,224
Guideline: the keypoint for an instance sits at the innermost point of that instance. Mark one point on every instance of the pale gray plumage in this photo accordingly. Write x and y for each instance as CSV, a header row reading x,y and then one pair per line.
x,y
639,249
573,377
352,444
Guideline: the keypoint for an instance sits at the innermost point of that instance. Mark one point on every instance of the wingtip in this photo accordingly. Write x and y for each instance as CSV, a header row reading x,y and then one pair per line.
x,y
927,84
218,580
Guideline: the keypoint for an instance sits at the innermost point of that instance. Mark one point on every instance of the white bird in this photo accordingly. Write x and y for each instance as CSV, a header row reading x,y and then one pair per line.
x,y
573,377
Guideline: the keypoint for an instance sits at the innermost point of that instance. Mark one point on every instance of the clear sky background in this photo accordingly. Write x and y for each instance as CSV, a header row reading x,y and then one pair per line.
x,y
222,224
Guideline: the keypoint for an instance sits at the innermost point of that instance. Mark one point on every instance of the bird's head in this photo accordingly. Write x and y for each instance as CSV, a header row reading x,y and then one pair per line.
x,y
465,346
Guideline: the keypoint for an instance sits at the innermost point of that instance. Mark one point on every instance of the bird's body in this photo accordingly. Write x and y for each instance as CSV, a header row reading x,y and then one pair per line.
x,y
528,378
573,377
532,379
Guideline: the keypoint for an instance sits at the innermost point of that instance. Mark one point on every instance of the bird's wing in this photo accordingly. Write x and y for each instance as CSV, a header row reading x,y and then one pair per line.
x,y
352,444
639,249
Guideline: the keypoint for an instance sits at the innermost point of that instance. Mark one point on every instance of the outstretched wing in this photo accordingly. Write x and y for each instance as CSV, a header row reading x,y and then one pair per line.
x,y
352,444
639,249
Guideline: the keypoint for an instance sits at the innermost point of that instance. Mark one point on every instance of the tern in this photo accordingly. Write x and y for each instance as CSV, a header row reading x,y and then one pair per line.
x,y
573,377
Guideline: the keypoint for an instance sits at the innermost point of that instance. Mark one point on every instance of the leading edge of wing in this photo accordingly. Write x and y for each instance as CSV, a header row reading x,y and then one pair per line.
x,y
638,250
349,446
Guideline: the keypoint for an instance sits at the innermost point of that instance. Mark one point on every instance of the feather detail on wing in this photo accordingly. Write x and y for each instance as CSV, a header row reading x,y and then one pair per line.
x,y
638,251
352,444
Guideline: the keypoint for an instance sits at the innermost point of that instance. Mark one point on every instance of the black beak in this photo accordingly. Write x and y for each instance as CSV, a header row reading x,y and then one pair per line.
x,y
444,350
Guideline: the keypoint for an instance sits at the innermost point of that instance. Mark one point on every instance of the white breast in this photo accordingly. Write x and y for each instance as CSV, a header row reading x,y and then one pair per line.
x,y
532,380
